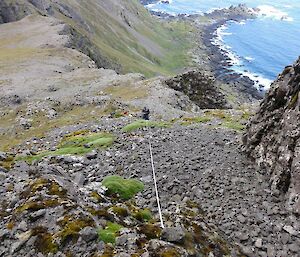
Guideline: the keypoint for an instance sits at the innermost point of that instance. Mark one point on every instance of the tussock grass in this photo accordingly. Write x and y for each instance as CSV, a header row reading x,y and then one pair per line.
x,y
108,235
125,188
143,215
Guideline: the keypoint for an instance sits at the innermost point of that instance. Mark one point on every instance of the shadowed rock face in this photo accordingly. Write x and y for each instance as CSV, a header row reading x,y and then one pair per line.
x,y
10,12
273,136
200,88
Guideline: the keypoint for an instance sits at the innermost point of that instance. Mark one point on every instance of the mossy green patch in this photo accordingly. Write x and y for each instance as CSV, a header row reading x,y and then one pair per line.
x,y
120,211
108,235
71,228
45,241
143,124
125,188
37,205
235,125
76,145
143,215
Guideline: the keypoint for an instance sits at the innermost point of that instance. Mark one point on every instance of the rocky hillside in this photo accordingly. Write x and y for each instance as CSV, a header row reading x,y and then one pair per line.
x,y
75,170
115,34
273,136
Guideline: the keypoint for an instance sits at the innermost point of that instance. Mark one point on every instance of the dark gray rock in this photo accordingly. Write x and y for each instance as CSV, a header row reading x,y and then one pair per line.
x,y
38,214
88,234
273,136
200,88
173,235
92,155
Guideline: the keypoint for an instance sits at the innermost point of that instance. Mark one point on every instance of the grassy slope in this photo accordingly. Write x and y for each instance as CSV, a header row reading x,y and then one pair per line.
x,y
126,44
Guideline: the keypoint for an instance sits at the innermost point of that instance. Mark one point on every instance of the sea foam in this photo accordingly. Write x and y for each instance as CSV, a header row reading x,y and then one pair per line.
x,y
260,82
271,12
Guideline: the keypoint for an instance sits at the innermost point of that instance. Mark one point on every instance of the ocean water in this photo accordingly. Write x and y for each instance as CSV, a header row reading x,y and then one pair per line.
x,y
259,48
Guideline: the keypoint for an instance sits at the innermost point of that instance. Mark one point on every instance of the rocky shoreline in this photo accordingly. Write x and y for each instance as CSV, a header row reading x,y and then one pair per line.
x,y
219,60
210,57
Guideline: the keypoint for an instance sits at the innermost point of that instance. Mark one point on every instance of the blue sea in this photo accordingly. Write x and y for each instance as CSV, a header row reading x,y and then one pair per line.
x,y
258,48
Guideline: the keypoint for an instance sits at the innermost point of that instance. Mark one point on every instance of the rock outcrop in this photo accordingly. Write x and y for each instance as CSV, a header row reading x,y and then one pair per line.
x,y
273,136
200,88
13,11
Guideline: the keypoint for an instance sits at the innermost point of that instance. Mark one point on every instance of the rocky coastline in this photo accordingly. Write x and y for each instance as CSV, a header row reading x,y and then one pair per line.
x,y
210,57
219,61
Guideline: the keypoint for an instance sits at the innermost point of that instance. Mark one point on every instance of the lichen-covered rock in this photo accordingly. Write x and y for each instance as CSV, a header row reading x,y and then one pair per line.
x,y
273,136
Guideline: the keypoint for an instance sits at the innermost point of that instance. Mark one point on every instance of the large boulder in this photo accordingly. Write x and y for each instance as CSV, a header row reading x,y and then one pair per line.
x,y
200,88
273,136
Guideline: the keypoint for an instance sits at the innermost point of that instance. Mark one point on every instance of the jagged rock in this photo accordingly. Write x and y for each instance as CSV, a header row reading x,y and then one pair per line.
x,y
258,243
12,12
273,136
290,230
38,214
200,88
3,156
23,238
2,170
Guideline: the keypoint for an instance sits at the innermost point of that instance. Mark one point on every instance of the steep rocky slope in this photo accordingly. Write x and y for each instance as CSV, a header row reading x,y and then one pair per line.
x,y
115,34
273,136
68,125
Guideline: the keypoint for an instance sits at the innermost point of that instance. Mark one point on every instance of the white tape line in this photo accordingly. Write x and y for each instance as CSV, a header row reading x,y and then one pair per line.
x,y
155,185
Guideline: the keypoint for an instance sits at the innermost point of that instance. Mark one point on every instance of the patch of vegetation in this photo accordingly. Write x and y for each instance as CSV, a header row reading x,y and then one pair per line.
x,y
171,252
41,125
93,140
8,163
120,211
125,188
220,114
108,235
37,205
230,121
71,228
235,125
45,242
53,188
76,145
143,215
144,124
151,231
